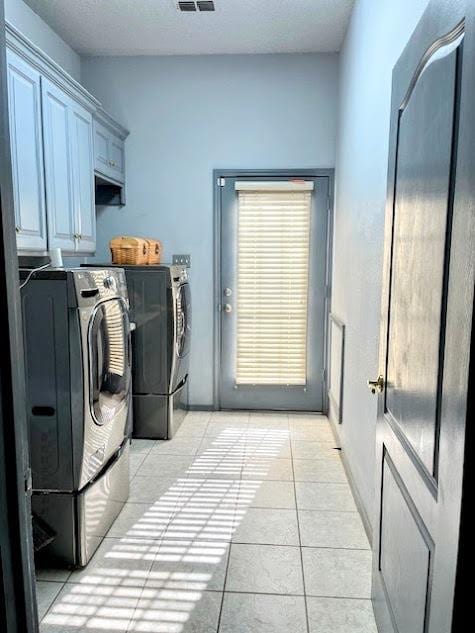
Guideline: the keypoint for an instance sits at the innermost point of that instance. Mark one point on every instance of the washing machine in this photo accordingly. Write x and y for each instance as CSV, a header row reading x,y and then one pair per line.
x,y
160,307
78,377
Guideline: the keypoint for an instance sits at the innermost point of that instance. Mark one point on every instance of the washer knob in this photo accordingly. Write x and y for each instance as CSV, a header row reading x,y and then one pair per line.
x,y
109,282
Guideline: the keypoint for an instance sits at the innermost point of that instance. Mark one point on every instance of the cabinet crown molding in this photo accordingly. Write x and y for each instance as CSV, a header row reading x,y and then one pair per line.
x,y
39,60
111,124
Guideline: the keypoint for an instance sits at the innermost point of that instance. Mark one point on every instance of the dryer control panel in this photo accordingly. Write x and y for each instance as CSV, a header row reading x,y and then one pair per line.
x,y
96,284
178,274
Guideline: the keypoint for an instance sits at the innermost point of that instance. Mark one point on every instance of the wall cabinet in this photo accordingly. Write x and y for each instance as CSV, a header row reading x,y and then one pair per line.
x,y
82,164
24,101
56,147
59,186
68,149
109,148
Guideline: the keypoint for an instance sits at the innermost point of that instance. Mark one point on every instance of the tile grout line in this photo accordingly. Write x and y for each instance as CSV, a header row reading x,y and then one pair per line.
x,y
218,625
160,541
280,481
223,540
300,537
63,584
268,593
228,543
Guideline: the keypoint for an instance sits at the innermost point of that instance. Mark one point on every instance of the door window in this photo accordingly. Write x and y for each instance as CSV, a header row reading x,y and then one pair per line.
x,y
272,283
272,292
109,360
183,320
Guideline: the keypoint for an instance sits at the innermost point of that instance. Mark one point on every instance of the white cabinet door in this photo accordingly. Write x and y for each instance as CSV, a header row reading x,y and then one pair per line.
x,y
24,100
69,168
101,148
58,167
117,158
83,178
109,156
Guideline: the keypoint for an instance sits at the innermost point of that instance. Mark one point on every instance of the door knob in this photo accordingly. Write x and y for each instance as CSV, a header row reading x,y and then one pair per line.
x,y
227,308
376,386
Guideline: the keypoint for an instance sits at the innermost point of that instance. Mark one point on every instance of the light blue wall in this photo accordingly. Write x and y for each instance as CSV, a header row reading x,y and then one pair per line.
x,y
189,115
376,36
35,29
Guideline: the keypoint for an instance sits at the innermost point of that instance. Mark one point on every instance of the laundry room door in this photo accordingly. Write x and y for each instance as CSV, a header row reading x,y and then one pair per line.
x,y
424,474
273,281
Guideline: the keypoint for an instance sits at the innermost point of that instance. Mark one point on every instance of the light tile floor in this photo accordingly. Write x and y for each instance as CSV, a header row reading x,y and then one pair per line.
x,y
243,523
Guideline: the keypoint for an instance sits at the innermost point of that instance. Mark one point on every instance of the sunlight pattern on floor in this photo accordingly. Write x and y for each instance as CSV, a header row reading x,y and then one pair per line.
x,y
192,523
241,523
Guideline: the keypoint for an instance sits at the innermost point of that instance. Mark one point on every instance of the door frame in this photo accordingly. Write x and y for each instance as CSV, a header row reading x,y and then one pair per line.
x,y
433,25
18,609
217,223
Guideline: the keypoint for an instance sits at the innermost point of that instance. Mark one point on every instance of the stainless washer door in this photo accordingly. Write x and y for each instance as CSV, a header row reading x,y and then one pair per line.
x,y
183,320
109,360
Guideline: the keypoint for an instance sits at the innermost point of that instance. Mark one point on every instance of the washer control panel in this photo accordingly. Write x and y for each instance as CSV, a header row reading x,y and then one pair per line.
x,y
96,284
179,275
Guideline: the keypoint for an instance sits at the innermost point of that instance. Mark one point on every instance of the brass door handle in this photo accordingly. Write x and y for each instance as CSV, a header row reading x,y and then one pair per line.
x,y
376,386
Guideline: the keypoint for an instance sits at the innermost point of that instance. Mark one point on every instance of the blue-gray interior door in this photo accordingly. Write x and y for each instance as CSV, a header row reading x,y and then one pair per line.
x,y
426,329
305,397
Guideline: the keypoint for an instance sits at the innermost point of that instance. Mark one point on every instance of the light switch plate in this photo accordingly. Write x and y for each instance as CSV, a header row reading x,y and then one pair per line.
x,y
183,260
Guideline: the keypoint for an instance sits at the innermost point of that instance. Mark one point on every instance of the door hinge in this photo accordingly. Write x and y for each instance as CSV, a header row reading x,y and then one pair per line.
x,y
28,482
221,182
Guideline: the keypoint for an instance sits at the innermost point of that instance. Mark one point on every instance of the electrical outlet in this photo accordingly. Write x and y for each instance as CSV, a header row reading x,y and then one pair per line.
x,y
182,260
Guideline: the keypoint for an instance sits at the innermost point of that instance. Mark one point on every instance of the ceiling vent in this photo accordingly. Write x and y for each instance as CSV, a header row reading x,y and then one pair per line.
x,y
187,6
200,5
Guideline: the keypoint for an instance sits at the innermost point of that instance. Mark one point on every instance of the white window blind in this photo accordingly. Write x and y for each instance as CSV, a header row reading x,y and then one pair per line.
x,y
272,284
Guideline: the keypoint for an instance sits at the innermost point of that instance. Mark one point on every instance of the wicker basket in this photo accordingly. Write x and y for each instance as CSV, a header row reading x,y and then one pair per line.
x,y
129,250
154,251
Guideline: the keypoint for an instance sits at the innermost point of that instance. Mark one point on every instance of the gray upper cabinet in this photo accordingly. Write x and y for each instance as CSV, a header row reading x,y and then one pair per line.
x,y
58,167
117,155
101,148
68,147
82,164
24,98
109,148
57,148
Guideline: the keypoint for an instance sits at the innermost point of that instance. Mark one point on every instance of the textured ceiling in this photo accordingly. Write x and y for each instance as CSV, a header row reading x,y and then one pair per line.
x,y
156,27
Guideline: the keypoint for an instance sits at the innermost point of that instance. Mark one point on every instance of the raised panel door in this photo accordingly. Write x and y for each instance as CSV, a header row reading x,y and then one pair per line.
x,y
82,165
426,328
58,171
24,94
